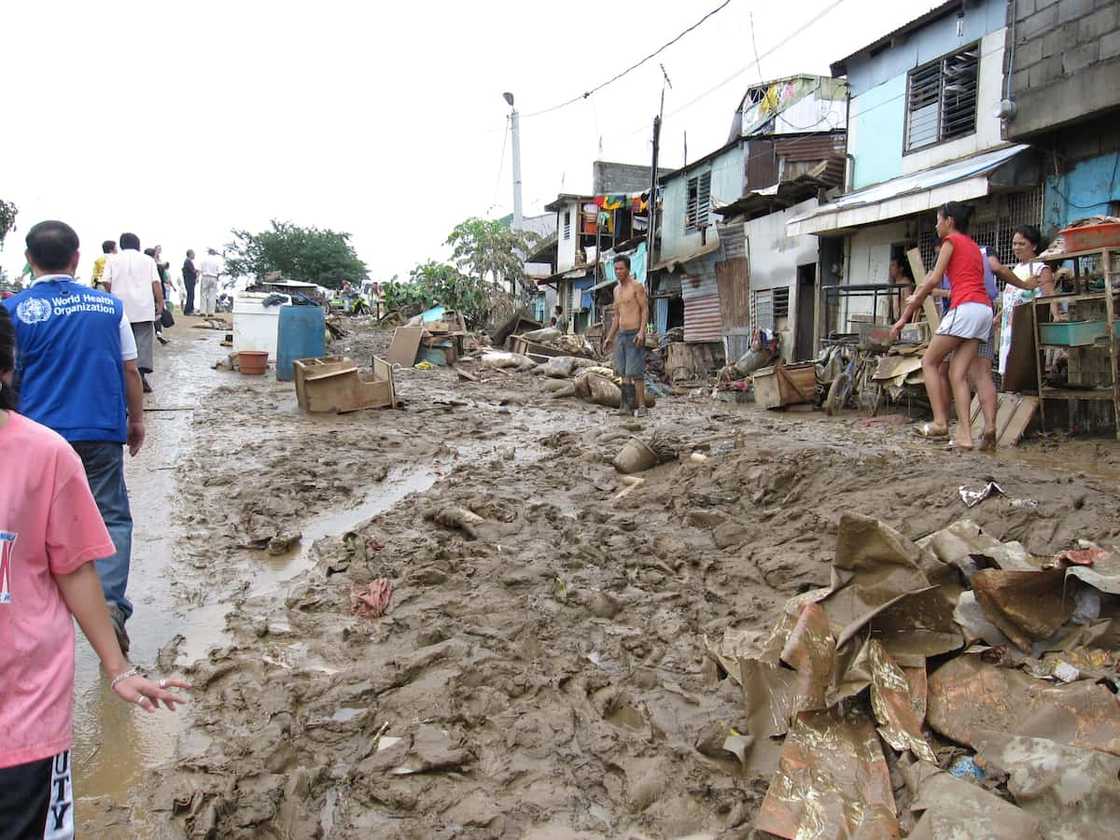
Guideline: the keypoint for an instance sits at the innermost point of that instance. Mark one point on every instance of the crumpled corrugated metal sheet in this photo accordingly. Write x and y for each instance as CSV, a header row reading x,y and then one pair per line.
x,y
968,696
957,810
895,707
1074,793
1025,606
832,782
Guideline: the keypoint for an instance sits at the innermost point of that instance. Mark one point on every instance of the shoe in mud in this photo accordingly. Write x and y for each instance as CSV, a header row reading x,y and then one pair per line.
x,y
642,412
144,382
117,618
626,411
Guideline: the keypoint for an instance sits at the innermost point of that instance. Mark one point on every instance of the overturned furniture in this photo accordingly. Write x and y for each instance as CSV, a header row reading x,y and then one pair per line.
x,y
334,384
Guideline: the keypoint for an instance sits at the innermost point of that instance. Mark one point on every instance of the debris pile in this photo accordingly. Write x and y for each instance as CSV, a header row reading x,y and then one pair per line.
x,y
957,686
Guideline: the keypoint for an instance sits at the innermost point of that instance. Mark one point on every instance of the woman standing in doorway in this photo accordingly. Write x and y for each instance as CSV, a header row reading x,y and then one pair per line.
x,y
1023,284
966,326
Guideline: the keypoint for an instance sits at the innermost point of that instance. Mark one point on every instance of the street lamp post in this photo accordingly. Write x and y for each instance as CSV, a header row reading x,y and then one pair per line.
x,y
515,134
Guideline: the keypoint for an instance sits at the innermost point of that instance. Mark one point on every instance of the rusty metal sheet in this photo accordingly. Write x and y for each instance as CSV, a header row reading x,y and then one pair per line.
x,y
875,566
770,694
919,625
895,707
963,540
1025,606
956,810
702,318
832,782
1104,574
968,695
1073,792
811,651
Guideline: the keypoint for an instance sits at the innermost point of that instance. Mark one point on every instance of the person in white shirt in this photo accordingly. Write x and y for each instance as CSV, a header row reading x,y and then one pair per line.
x,y
134,278
210,270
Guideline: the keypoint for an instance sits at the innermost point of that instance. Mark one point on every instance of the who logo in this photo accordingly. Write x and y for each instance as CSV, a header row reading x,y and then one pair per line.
x,y
7,549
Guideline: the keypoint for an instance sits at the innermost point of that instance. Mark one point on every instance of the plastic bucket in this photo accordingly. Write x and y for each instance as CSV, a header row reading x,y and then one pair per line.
x,y
252,362
635,457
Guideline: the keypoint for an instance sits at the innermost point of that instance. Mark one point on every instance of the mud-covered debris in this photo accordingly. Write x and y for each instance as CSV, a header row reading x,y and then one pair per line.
x,y
372,601
283,542
972,496
458,518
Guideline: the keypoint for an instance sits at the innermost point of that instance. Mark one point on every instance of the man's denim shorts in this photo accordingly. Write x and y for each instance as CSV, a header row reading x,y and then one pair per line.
x,y
629,361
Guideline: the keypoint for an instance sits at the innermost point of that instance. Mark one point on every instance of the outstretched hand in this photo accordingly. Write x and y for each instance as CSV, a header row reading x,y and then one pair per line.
x,y
147,694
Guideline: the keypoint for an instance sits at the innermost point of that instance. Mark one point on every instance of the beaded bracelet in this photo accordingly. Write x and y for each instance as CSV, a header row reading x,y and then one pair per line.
x,y
119,678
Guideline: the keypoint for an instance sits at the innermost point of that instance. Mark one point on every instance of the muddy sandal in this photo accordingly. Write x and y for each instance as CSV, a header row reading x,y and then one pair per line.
x,y
987,442
953,446
931,431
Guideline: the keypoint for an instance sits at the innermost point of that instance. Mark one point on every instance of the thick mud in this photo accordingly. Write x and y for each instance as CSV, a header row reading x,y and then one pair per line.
x,y
540,671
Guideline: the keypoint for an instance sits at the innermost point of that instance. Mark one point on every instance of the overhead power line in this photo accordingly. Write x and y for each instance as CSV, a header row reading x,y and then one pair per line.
x,y
758,58
587,94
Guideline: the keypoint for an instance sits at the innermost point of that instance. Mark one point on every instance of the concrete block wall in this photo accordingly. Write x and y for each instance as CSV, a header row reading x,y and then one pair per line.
x,y
1066,64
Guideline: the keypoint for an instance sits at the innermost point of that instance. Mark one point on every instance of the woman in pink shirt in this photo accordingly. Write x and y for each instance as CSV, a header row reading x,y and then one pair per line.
x,y
50,535
965,330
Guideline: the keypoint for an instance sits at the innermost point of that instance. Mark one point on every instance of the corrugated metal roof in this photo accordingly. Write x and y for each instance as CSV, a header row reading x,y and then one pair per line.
x,y
811,146
672,262
907,194
702,320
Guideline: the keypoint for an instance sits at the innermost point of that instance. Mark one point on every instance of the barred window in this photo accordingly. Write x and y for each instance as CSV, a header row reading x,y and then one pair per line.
x,y
941,99
699,202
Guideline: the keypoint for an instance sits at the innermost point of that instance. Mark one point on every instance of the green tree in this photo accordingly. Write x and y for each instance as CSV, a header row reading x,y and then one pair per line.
x,y
307,254
490,251
8,214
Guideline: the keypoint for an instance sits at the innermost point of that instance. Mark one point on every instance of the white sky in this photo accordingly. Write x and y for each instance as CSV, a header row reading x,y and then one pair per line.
x,y
179,121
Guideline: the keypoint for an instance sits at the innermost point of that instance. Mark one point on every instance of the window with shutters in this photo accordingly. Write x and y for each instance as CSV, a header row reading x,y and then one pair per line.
x,y
941,99
567,224
699,202
781,302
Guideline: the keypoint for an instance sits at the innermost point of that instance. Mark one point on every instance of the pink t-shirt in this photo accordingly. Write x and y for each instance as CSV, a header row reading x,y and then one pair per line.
x,y
49,525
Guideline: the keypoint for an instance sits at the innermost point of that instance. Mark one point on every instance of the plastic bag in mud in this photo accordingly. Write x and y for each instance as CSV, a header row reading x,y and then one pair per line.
x,y
501,359
548,334
562,367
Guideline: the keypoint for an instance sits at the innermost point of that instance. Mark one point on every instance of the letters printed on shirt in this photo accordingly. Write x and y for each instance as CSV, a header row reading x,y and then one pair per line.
x,y
7,550
60,820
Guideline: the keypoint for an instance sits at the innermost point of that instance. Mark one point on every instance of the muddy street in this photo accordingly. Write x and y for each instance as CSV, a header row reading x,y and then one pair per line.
x,y
541,670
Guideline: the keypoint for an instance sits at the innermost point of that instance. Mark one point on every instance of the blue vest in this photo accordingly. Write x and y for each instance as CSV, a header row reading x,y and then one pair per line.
x,y
68,360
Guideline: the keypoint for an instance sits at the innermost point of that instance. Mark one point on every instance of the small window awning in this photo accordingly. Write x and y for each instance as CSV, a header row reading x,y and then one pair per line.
x,y
961,180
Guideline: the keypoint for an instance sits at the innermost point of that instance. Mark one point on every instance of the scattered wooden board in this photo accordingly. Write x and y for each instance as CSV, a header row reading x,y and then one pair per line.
x,y
1013,415
405,346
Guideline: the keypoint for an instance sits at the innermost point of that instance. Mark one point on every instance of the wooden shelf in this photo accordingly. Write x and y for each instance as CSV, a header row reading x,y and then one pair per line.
x,y
1107,295
1077,393
1075,296
1072,255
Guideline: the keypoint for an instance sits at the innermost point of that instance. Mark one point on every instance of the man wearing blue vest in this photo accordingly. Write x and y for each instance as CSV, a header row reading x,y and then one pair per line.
x,y
77,374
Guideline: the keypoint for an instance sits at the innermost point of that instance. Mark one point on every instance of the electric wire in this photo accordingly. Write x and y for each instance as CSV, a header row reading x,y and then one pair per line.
x,y
587,94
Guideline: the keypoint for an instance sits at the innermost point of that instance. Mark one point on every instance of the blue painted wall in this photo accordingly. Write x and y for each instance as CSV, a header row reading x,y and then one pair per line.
x,y
1085,190
728,179
931,41
877,122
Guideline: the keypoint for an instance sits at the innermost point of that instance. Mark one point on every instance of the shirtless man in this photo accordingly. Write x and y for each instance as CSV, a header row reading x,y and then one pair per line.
x,y
631,312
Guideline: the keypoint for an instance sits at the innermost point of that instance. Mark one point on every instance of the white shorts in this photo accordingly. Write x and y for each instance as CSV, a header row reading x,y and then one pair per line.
x,y
969,321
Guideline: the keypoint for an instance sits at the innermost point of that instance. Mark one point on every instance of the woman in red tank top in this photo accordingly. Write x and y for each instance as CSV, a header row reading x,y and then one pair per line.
x,y
965,330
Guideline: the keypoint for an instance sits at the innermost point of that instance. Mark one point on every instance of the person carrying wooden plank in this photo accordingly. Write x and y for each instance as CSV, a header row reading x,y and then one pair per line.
x,y
967,326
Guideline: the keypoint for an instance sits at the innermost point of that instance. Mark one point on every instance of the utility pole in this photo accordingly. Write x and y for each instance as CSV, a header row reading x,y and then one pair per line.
x,y
515,135
653,198
651,231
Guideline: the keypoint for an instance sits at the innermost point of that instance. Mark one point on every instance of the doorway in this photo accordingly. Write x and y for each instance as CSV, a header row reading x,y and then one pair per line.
x,y
803,343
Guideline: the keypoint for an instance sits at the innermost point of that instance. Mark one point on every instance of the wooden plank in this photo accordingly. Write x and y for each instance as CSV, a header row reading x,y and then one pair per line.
x,y
406,344
1006,408
734,298
1021,372
929,305
1013,433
